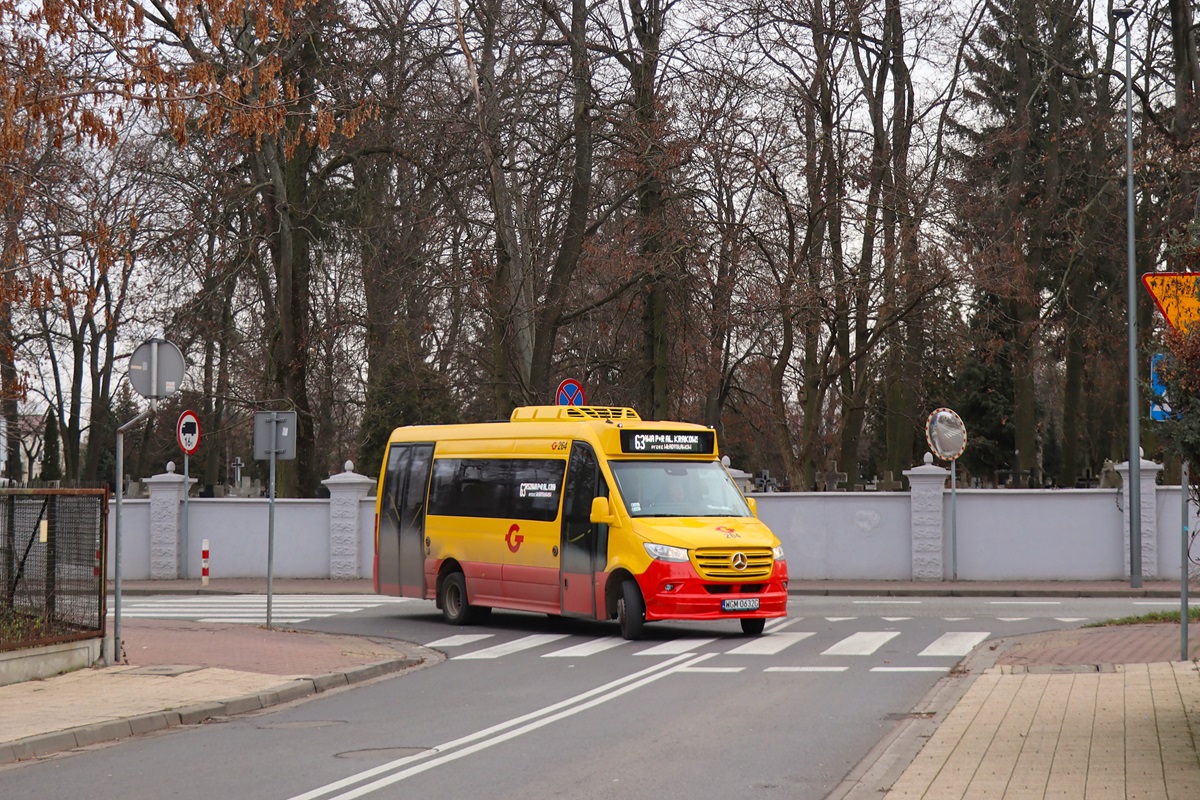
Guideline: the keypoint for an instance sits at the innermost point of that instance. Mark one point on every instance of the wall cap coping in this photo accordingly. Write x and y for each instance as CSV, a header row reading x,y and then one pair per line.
x,y
1143,463
348,479
167,478
928,470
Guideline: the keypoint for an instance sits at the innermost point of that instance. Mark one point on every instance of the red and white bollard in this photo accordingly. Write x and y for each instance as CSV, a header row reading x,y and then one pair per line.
x,y
204,563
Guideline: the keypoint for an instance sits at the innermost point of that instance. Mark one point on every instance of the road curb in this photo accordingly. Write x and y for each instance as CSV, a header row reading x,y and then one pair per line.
x,y
942,591
111,730
883,765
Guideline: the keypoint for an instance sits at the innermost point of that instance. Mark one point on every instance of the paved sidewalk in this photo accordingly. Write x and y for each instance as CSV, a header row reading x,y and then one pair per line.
x,y
1081,713
185,673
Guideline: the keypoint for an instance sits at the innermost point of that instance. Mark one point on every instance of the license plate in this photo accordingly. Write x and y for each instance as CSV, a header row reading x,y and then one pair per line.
x,y
740,604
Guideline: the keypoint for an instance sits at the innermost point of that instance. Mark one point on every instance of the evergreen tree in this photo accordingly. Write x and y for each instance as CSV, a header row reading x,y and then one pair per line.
x,y
401,396
1027,163
51,467
985,392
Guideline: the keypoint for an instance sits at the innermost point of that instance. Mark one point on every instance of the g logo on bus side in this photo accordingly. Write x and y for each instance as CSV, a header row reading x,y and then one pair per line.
x,y
559,445
514,542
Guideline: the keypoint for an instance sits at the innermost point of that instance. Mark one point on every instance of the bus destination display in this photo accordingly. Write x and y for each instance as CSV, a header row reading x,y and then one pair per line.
x,y
667,442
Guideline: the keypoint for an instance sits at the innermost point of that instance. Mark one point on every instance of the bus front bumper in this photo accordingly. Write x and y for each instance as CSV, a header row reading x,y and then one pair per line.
x,y
676,591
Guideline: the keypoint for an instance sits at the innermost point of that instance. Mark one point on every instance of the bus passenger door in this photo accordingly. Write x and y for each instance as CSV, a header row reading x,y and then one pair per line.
x,y
387,536
412,521
581,540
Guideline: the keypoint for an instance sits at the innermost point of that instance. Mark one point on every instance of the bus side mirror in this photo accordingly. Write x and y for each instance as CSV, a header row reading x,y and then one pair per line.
x,y
602,512
750,501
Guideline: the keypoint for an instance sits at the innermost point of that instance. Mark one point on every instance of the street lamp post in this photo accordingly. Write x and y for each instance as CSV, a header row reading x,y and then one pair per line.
x,y
1135,450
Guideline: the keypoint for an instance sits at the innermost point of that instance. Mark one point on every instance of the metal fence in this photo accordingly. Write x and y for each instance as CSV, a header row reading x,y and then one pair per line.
x,y
52,546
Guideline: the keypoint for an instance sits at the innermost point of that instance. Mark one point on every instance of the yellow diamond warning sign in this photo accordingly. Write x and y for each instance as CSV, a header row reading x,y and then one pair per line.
x,y
1177,295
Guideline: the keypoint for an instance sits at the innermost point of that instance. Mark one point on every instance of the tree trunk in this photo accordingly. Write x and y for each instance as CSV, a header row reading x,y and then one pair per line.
x,y
647,21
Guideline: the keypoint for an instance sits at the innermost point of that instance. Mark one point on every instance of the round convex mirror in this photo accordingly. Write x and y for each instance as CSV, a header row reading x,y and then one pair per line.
x,y
946,434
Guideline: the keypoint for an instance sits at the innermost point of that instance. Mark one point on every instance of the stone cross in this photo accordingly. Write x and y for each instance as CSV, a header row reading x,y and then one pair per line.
x,y
833,478
237,470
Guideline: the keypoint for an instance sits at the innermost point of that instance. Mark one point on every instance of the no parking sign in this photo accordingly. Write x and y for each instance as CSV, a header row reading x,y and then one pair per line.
x,y
570,393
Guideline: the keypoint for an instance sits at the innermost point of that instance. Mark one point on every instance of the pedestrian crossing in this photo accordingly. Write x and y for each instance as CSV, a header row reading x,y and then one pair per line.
x,y
814,651
775,641
248,608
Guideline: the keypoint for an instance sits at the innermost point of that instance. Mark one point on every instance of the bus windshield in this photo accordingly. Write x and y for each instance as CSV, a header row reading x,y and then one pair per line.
x,y
678,489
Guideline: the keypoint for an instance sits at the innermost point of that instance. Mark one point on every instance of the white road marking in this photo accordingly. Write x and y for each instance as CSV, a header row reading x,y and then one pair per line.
x,y
259,620
247,608
769,644
497,734
863,643
839,619
515,646
675,647
710,669
954,643
895,619
908,669
888,602
1070,619
459,639
955,619
1172,603
806,669
587,648
1025,602
1012,619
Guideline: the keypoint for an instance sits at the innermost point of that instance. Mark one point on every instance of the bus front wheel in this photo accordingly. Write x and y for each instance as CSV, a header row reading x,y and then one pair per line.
x,y
753,627
631,610
455,608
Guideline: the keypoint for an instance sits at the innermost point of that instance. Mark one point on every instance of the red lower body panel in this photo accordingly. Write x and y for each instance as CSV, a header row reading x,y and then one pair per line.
x,y
503,586
675,591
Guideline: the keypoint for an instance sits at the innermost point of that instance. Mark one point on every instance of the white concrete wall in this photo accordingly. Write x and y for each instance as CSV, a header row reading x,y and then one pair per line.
x,y
1168,510
1031,534
237,530
1002,534
841,535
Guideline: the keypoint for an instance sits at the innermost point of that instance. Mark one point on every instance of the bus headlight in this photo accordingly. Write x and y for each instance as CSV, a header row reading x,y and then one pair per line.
x,y
777,551
664,552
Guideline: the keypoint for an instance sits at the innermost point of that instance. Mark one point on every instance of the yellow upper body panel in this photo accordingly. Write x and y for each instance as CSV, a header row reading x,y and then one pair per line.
x,y
543,430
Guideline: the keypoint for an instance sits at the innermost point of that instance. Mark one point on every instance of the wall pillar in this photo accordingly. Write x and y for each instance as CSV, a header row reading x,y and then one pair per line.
x,y
1149,515
346,491
928,485
166,512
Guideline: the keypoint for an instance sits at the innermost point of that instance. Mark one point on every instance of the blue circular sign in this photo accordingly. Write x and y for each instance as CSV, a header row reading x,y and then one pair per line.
x,y
570,393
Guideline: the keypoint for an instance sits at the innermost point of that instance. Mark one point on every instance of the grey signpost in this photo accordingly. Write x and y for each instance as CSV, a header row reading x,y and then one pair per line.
x,y
274,439
947,438
1184,613
156,371
187,434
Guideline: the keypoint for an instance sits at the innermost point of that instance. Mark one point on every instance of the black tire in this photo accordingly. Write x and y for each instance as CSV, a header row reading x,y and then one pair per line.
x,y
631,611
753,626
455,608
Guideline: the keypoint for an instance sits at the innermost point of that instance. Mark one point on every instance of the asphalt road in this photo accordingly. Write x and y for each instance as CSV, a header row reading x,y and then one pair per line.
x,y
529,706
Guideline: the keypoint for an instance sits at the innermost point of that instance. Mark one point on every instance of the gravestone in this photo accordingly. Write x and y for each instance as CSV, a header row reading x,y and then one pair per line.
x,y
887,484
832,478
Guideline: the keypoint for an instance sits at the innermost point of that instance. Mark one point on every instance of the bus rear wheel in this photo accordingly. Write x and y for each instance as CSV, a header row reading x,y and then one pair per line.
x,y
753,627
455,608
631,611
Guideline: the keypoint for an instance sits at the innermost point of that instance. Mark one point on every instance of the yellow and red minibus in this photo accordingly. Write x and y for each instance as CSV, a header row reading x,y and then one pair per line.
x,y
578,511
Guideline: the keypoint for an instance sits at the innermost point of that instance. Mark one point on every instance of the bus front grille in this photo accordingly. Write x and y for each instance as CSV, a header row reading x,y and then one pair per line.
x,y
733,563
